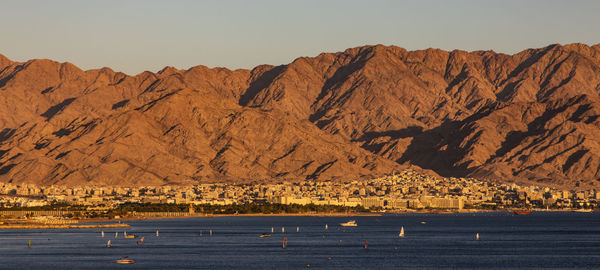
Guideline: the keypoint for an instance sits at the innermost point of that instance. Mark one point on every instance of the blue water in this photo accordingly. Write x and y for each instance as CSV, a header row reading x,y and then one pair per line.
x,y
540,240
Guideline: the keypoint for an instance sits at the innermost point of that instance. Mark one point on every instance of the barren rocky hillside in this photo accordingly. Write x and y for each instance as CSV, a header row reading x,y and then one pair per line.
x,y
361,113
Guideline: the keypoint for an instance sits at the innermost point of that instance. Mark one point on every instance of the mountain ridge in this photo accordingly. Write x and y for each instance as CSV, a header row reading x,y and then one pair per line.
x,y
363,112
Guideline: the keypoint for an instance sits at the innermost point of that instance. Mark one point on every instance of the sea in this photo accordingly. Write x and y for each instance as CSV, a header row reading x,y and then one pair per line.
x,y
541,240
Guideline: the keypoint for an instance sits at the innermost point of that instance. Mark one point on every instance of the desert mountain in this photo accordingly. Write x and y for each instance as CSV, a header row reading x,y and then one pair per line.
x,y
365,112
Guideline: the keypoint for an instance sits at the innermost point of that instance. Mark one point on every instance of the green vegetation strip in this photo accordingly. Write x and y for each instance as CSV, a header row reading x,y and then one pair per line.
x,y
245,208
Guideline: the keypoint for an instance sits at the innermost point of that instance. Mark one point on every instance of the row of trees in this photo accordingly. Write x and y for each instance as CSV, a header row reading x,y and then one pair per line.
x,y
274,208
50,207
245,208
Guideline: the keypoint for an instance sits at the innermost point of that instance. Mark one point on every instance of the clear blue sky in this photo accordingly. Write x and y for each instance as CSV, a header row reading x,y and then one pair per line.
x,y
133,36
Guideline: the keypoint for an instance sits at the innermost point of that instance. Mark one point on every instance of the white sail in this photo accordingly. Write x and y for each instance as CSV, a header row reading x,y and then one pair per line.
x,y
401,234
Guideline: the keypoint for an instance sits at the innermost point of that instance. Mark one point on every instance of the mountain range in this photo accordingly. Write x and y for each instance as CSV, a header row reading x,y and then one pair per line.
x,y
362,113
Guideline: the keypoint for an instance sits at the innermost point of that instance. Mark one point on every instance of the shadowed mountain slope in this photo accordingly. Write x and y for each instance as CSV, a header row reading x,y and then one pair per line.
x,y
364,112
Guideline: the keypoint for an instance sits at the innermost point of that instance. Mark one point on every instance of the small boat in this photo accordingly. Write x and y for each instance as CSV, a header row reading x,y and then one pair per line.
x,y
130,236
423,222
401,234
583,210
141,241
108,243
477,236
265,235
125,261
350,223
522,212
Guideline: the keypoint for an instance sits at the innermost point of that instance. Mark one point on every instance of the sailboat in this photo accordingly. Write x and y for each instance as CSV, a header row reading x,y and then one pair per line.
x,y
116,234
141,241
156,233
210,232
108,243
325,226
298,229
272,229
401,234
102,234
284,242
282,229
477,236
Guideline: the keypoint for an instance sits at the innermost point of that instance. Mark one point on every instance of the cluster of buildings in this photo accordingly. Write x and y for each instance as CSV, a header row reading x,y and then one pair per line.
x,y
401,191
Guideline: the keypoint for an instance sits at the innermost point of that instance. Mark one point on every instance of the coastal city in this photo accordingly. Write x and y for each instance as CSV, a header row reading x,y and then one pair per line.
x,y
403,191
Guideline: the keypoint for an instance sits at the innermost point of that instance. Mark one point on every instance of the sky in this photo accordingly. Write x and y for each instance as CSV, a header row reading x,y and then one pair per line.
x,y
134,36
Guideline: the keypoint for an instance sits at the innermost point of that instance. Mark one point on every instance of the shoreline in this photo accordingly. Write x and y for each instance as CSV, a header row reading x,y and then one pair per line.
x,y
63,226
89,223
135,218
350,214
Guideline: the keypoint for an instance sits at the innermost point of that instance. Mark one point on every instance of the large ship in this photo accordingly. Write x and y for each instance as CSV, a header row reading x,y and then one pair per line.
x,y
522,212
